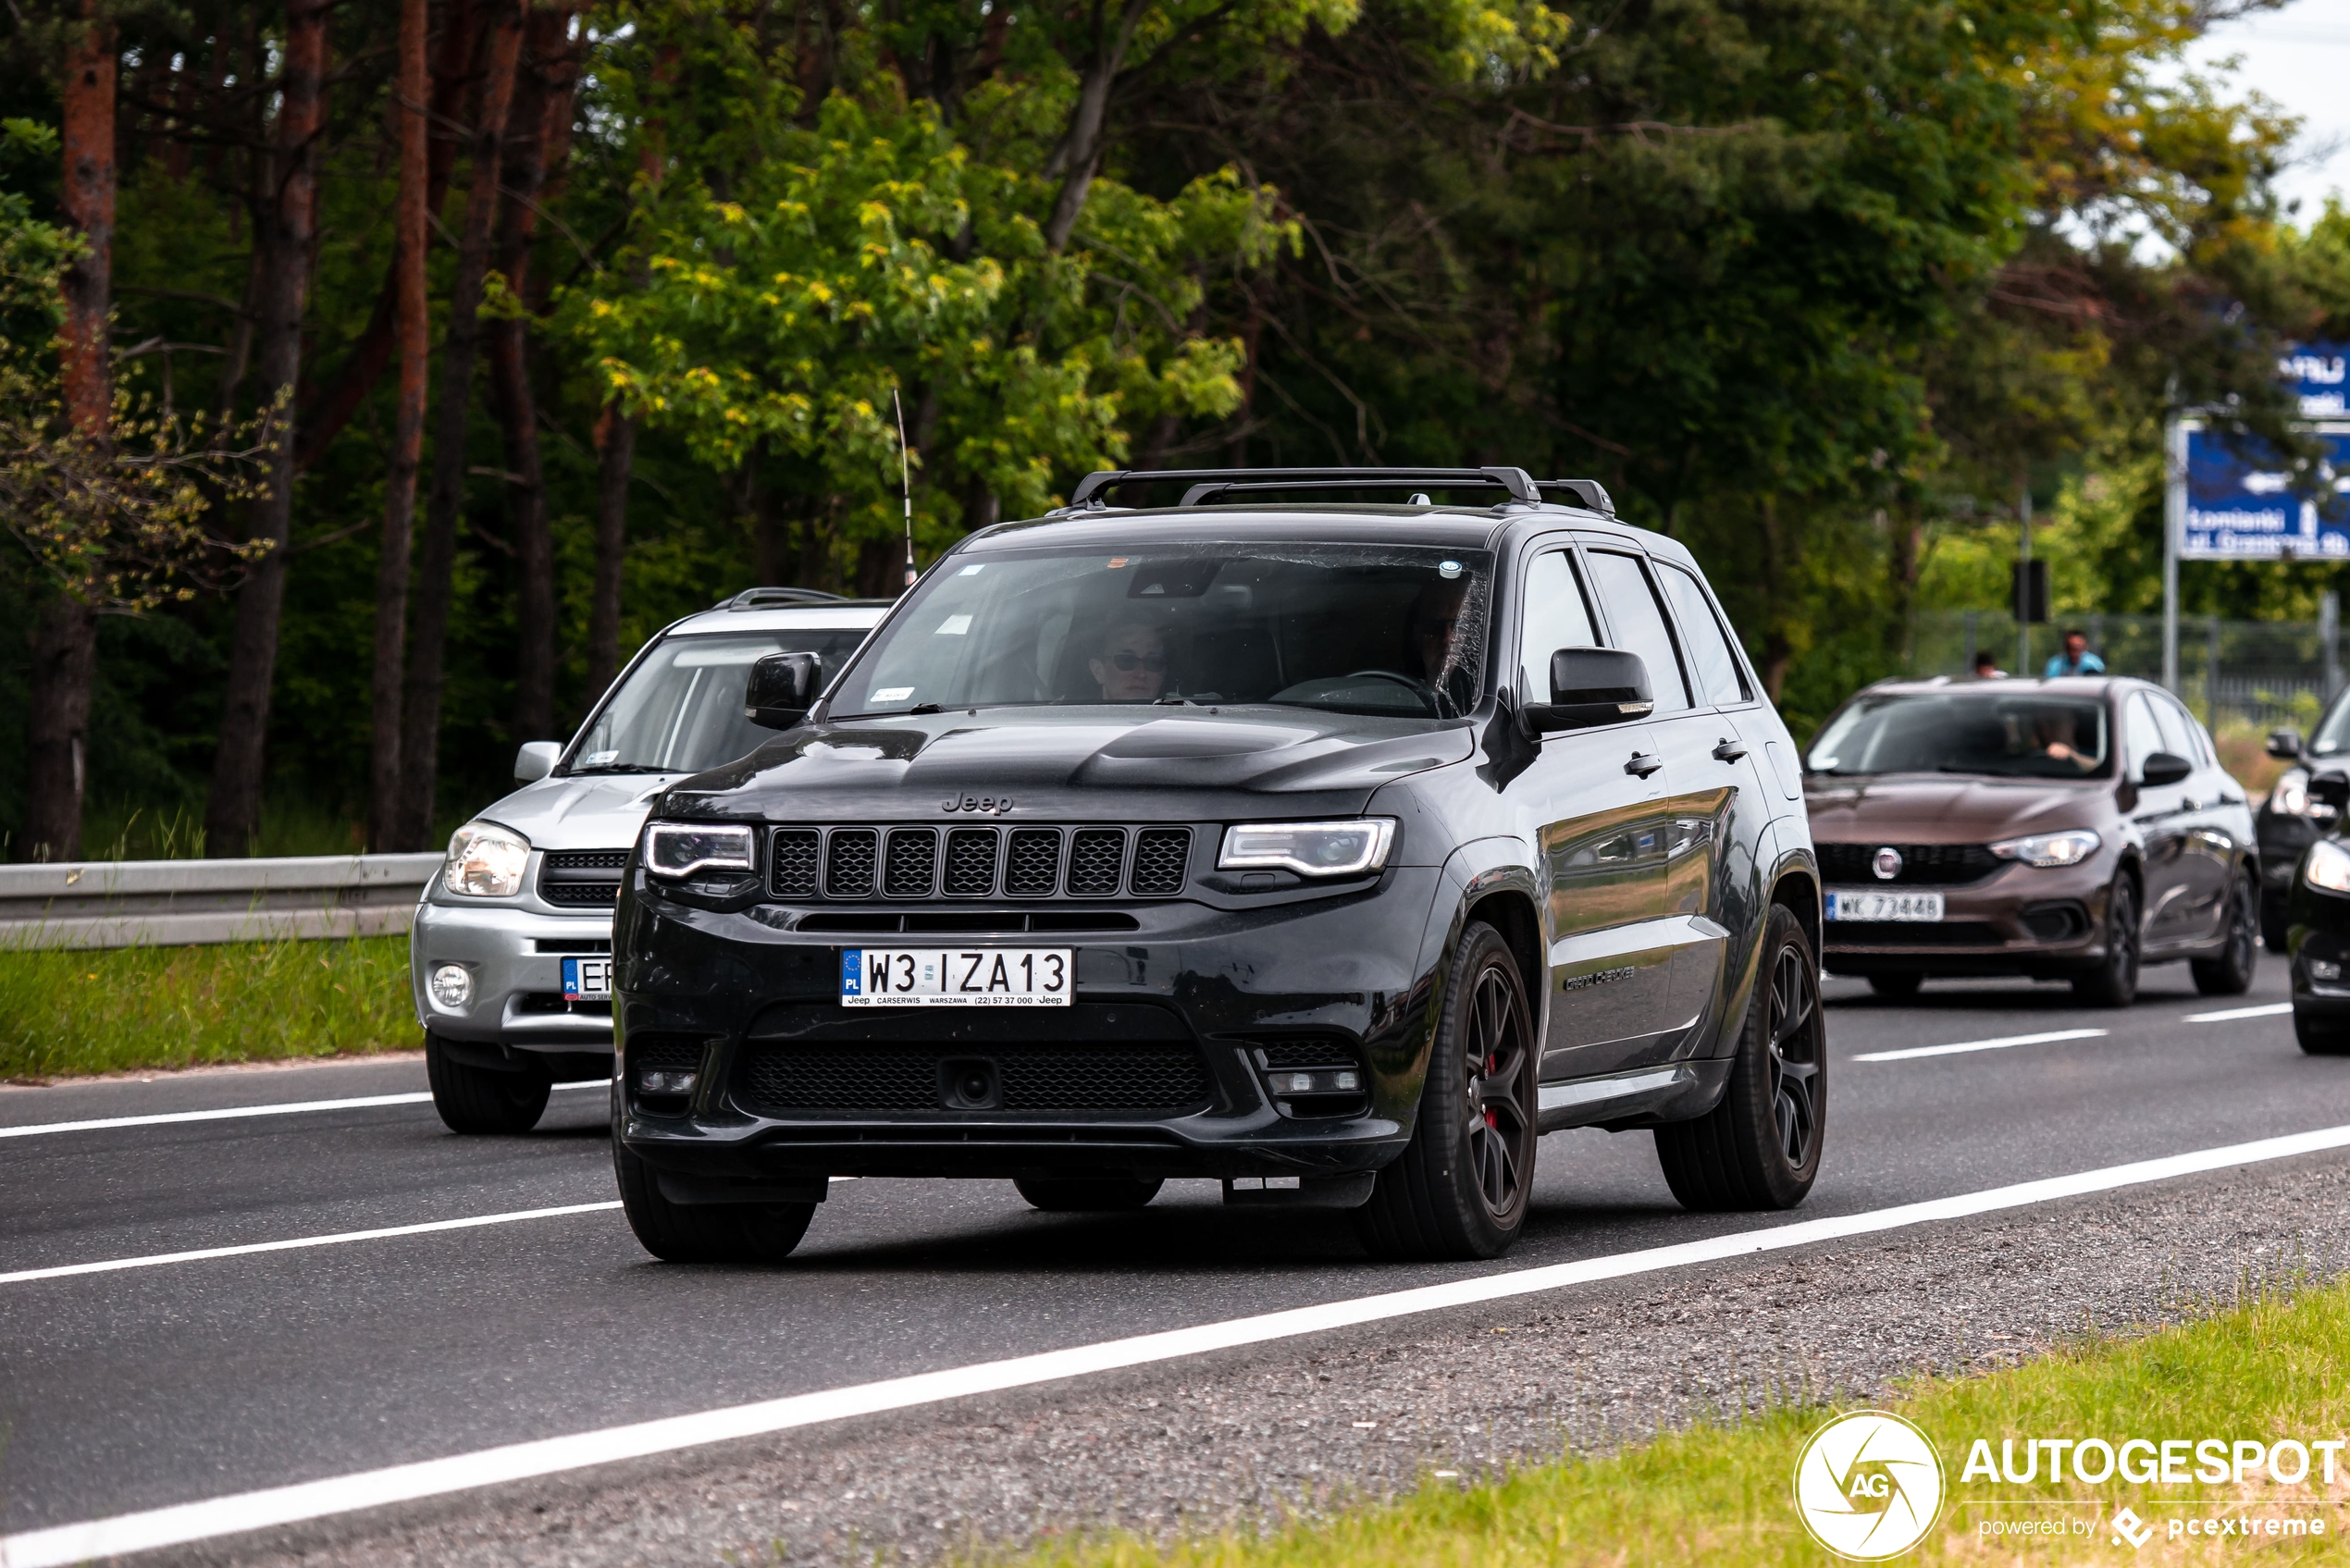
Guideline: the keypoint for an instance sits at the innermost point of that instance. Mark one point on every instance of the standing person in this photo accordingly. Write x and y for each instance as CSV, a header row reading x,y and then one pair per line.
x,y
2076,658
1987,668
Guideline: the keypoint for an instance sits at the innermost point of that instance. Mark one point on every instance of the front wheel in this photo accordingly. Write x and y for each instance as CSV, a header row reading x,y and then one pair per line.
x,y
472,1099
2114,982
2229,973
1760,1147
1459,1190
2318,1039
704,1232
1087,1194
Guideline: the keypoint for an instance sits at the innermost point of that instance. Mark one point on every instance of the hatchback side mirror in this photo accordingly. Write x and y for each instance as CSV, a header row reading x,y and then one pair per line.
x,y
2285,744
2164,767
1592,686
535,759
783,687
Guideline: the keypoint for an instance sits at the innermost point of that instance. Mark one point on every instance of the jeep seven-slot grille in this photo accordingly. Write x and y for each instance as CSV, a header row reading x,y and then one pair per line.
x,y
582,879
1155,1077
977,862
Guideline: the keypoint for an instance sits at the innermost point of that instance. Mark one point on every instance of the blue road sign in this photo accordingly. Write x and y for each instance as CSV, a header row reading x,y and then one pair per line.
x,y
2240,504
2318,372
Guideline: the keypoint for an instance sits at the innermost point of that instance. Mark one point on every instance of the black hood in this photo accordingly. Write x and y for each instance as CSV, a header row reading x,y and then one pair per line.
x,y
1062,763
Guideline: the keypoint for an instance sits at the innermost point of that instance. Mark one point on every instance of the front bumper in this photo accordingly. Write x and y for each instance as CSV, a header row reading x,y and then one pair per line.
x,y
514,953
1210,1000
2317,938
2043,922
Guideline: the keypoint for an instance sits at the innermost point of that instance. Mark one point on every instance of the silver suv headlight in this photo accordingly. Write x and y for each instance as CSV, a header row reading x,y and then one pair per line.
x,y
2068,849
679,849
1311,849
485,861
2328,866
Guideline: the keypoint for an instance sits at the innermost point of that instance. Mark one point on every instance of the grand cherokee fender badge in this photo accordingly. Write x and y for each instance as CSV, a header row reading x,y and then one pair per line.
x,y
1598,976
993,804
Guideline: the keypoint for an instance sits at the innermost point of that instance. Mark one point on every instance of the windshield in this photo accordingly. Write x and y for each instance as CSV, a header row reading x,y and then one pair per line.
x,y
1397,631
2333,736
2010,735
681,708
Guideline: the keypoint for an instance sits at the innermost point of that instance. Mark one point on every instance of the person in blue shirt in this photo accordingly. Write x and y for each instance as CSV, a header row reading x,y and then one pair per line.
x,y
2076,658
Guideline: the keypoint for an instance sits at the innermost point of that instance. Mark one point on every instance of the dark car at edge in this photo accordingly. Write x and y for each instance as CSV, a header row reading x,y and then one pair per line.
x,y
1332,847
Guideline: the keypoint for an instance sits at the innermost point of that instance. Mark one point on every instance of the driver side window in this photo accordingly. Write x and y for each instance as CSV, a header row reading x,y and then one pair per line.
x,y
1556,616
2143,735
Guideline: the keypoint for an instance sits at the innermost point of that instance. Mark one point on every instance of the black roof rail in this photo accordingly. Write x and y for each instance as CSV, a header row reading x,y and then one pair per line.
x,y
1202,481
1589,494
776,599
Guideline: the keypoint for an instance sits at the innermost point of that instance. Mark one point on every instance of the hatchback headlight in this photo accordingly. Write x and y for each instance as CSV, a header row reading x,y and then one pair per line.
x,y
485,861
2069,848
2328,866
2291,796
1311,849
678,849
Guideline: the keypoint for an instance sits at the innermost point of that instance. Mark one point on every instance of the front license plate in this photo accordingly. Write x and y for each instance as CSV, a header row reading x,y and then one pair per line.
x,y
956,977
586,977
1873,906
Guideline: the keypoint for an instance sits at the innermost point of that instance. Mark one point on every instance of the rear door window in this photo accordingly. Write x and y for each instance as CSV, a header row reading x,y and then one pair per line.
x,y
1638,621
1713,668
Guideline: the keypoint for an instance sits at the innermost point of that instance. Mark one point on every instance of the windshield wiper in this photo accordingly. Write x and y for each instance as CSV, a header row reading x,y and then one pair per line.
x,y
624,768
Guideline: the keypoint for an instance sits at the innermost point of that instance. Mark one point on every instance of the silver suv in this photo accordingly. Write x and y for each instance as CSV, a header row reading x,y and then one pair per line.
x,y
510,959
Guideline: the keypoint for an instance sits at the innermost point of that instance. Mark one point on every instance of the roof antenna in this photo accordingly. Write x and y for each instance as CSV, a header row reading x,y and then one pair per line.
x,y
905,480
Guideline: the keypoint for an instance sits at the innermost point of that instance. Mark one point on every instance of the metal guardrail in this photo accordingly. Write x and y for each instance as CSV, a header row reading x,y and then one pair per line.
x,y
175,902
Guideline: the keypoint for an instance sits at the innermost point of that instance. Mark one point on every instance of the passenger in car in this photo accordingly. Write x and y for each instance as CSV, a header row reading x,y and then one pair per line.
x,y
1131,663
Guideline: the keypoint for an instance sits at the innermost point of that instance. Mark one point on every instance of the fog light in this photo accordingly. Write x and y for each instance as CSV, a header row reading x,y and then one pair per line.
x,y
453,986
2319,968
663,1081
1326,1081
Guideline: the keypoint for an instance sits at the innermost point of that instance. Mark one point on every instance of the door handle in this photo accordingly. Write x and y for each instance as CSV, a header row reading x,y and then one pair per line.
x,y
1728,750
1643,763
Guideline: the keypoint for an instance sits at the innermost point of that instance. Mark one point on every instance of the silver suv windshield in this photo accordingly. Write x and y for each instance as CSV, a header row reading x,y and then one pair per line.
x,y
681,708
2003,735
1389,630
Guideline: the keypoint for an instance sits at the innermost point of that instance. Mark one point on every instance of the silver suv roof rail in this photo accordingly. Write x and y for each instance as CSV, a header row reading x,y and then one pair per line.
x,y
777,598
1204,484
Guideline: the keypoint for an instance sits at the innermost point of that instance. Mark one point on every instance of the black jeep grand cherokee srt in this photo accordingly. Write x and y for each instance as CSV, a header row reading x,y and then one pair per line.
x,y
1333,847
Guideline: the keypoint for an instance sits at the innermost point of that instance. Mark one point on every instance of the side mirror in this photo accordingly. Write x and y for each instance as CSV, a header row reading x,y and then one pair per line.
x,y
535,759
1592,686
783,687
2164,767
2285,744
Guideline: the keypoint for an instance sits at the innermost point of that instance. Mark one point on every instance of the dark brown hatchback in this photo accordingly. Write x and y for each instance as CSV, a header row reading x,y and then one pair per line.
x,y
2062,829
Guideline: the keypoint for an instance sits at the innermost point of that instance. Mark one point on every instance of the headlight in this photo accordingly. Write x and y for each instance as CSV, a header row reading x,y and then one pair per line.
x,y
675,849
2290,796
2328,866
485,861
1311,849
2068,849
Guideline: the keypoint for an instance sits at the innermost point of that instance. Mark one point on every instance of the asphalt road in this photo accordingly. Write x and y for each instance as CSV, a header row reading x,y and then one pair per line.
x,y
135,1389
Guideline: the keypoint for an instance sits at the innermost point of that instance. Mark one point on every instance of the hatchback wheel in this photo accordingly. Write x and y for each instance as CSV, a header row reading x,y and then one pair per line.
x,y
1087,1194
2114,982
472,1099
1760,1147
1459,1190
704,1232
2230,972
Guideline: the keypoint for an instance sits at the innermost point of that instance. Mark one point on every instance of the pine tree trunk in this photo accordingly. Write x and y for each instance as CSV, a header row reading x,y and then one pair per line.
x,y
413,336
615,457
459,347
289,208
64,667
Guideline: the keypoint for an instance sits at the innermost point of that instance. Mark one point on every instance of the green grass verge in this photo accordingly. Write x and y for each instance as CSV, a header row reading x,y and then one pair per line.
x,y
2273,1367
64,1014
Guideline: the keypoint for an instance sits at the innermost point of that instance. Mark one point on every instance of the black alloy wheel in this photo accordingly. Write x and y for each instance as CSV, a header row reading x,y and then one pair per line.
x,y
2229,971
474,1100
1087,1194
1896,982
1461,1186
1760,1147
2114,982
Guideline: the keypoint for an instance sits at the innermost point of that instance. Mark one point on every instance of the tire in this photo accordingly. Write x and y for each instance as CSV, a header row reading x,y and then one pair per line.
x,y
477,1100
1900,984
1087,1194
2114,982
1760,1147
2319,1038
738,1233
1460,1188
2272,924
2230,974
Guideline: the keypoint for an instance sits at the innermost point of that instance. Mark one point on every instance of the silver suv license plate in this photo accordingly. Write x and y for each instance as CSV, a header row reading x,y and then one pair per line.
x,y
1874,906
587,978
956,977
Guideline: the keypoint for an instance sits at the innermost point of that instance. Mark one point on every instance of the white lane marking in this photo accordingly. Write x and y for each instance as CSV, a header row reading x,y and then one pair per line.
x,y
1965,1046
295,1243
175,1525
230,1113
2229,1015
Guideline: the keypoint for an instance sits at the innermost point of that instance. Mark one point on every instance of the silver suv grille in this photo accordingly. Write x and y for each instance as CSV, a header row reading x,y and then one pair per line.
x,y
805,864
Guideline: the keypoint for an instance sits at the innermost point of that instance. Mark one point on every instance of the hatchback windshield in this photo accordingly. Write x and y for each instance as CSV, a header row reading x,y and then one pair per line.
x,y
681,708
2012,735
2333,736
1372,629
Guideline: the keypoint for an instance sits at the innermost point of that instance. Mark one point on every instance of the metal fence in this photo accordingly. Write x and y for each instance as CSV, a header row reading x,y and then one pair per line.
x,y
2261,674
173,903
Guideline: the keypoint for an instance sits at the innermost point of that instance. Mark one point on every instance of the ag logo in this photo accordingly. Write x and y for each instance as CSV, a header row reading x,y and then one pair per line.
x,y
1868,1485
